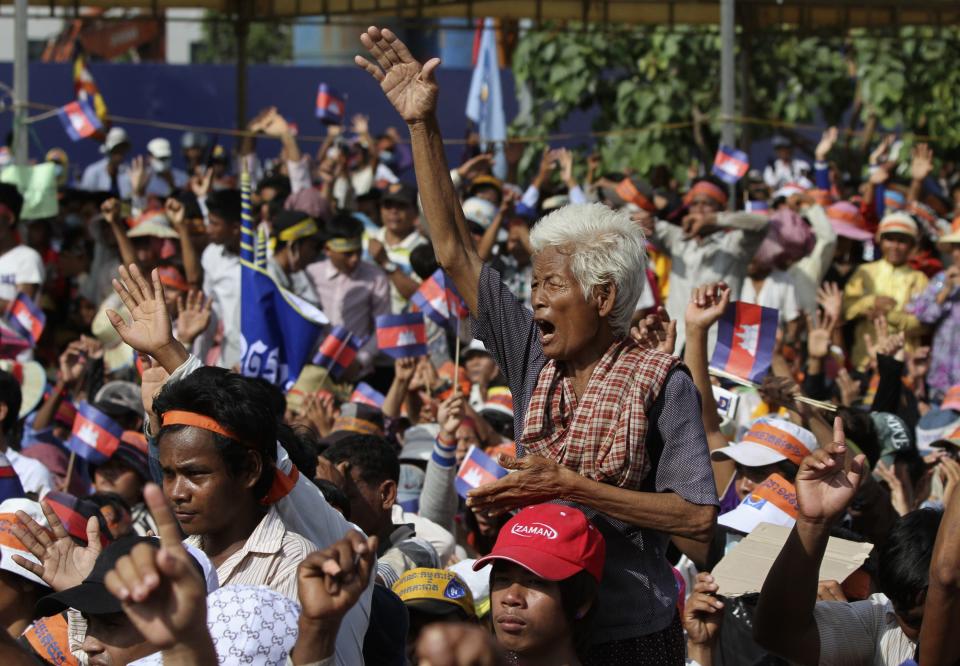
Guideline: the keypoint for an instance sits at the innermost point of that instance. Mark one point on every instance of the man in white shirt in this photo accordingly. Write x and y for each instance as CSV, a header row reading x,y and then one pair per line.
x,y
784,168
221,270
110,174
392,245
21,267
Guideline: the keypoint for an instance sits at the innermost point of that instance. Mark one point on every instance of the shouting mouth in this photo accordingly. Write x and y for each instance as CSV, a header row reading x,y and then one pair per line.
x,y
547,331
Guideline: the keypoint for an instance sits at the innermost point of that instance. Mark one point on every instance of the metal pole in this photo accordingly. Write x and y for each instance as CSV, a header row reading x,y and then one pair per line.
x,y
242,28
728,39
21,142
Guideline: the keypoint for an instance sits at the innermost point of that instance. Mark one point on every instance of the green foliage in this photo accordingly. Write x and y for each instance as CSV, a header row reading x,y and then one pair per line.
x,y
660,79
267,42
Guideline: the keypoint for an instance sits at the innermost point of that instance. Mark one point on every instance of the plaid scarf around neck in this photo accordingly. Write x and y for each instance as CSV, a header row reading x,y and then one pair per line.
x,y
601,436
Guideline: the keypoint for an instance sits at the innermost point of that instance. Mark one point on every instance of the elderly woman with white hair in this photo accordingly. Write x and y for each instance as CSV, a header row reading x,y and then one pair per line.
x,y
606,425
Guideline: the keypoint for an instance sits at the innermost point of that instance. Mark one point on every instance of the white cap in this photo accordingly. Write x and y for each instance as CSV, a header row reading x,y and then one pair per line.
x,y
418,442
115,137
8,542
479,211
768,441
159,148
773,501
478,581
475,346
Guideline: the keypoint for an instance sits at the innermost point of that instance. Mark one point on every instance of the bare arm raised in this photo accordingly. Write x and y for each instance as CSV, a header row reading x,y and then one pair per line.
x,y
412,89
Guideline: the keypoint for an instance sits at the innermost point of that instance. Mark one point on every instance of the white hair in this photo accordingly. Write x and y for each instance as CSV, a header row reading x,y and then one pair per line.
x,y
605,247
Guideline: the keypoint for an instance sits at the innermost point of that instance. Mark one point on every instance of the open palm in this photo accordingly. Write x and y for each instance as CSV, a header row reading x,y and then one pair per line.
x,y
410,86
149,329
63,563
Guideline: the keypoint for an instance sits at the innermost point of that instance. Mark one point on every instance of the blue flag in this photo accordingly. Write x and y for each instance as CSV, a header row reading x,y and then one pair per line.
x,y
485,99
278,329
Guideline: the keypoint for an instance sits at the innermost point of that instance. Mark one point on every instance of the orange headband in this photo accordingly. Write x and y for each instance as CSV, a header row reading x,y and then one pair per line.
x,y
176,417
707,189
627,191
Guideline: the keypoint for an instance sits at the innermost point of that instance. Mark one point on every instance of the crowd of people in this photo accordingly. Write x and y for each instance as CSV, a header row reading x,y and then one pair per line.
x,y
235,521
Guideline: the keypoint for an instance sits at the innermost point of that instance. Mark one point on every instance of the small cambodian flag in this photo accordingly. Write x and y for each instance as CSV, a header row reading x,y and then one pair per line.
x,y
367,395
730,164
331,106
95,435
478,469
26,318
9,481
402,335
79,120
759,207
438,299
745,340
338,351
74,514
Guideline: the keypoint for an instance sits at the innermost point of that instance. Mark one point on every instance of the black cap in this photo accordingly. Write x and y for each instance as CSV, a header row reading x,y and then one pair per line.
x,y
401,193
11,198
91,596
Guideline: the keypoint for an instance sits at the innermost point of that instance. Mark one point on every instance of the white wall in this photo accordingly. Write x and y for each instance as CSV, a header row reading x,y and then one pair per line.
x,y
182,34
37,29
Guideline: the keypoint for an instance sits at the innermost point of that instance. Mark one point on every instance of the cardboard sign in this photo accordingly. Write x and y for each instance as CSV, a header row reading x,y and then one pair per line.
x,y
744,568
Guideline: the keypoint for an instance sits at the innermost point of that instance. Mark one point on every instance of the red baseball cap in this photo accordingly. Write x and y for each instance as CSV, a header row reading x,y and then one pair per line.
x,y
552,541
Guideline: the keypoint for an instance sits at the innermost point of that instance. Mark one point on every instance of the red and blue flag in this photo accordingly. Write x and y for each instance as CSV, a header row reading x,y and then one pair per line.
x,y
402,335
95,435
10,486
79,120
338,351
26,318
74,514
745,340
367,395
478,469
331,105
438,299
730,164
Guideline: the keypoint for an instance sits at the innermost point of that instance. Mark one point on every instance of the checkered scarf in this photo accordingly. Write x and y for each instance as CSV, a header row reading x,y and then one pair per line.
x,y
603,435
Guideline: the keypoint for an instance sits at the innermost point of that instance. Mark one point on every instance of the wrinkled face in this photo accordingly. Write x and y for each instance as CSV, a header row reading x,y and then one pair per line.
x,y
114,476
197,482
397,218
567,321
896,248
527,611
344,262
481,368
112,640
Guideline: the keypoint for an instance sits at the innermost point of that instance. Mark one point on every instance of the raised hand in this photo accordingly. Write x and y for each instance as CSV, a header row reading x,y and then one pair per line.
x,y
63,563
319,412
830,298
160,589
450,414
707,304
410,86
898,497
329,584
703,612
828,480
475,166
879,153
827,141
139,175
194,316
149,331
404,369
110,209
175,212
849,388
200,184
73,363
151,381
565,159
360,124
656,331
819,334
921,164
